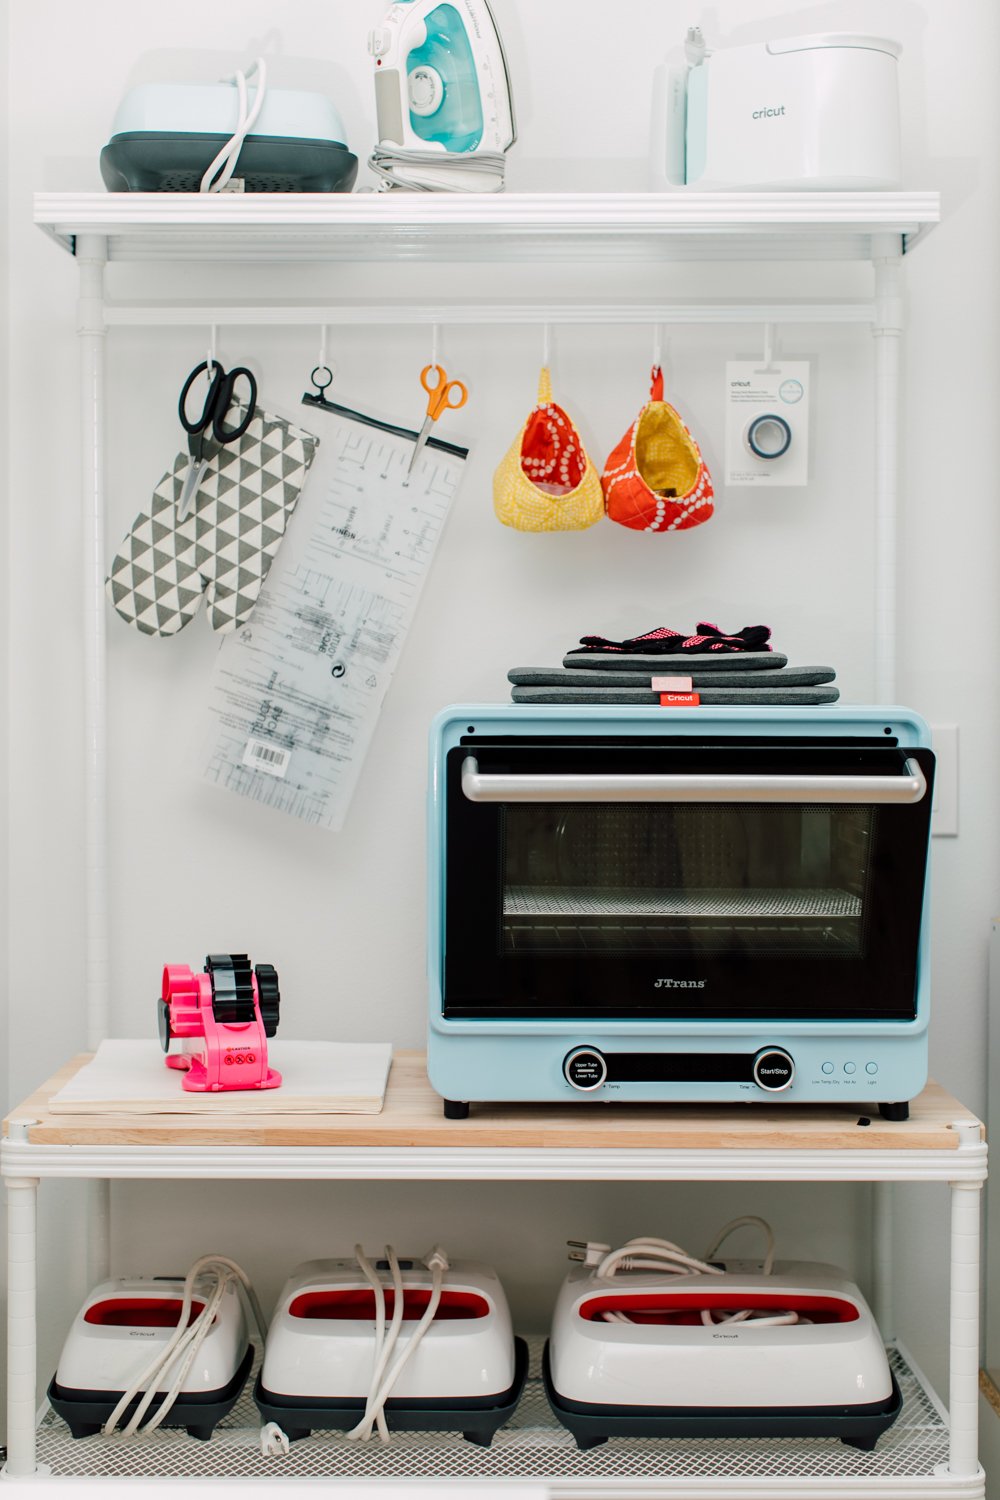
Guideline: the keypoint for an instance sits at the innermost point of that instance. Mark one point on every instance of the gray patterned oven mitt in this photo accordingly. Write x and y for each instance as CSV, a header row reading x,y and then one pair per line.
x,y
226,543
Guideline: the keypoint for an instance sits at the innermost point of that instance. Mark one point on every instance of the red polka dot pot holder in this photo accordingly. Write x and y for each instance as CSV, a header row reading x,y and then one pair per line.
x,y
656,478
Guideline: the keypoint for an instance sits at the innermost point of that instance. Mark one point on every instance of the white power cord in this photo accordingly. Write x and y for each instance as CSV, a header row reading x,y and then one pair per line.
x,y
181,1349
225,163
382,1383
651,1254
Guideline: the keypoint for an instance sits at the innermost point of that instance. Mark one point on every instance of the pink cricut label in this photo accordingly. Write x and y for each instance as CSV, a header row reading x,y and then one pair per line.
x,y
672,684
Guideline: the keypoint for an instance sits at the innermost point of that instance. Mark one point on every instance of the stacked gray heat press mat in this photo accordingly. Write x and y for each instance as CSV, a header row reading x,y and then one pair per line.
x,y
731,678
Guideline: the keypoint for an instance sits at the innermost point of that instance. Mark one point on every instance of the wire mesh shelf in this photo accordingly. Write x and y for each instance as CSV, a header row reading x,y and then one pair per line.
x,y
587,901
531,1447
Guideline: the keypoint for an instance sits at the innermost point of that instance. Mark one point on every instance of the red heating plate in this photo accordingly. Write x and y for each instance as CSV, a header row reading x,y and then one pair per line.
x,y
139,1312
683,1310
358,1304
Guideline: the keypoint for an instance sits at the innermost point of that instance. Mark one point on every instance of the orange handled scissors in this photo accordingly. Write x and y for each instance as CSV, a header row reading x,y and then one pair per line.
x,y
444,395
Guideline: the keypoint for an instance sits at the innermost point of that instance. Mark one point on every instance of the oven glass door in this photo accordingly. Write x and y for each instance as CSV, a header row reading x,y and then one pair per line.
x,y
770,880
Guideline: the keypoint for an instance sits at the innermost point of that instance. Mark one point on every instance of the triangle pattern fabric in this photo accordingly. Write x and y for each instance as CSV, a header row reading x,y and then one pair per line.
x,y
226,543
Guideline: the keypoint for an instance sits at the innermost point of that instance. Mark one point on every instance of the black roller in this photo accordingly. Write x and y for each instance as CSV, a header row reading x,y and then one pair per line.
x,y
268,997
232,987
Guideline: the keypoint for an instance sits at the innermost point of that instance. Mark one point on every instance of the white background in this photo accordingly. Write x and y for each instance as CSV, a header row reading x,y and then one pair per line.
x,y
195,870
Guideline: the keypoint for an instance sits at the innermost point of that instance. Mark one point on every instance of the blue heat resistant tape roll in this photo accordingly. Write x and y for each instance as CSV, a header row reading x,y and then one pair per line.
x,y
768,436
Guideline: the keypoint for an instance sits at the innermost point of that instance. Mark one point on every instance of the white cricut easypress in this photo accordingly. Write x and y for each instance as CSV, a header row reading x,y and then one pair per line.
x,y
336,1354
122,1325
652,1355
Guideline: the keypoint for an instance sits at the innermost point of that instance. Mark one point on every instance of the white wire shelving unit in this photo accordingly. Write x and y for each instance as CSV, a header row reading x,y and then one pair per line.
x,y
927,1452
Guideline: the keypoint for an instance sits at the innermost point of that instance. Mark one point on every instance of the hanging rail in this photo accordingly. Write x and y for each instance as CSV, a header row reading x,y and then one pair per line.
x,y
388,314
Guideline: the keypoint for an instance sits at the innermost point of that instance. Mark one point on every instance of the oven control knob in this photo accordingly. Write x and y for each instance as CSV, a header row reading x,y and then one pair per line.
x,y
773,1069
585,1068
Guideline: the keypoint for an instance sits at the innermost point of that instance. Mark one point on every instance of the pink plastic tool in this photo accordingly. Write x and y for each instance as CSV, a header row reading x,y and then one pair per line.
x,y
232,1009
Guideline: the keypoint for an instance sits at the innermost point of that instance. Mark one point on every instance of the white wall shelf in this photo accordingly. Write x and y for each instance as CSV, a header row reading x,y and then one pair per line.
x,y
479,227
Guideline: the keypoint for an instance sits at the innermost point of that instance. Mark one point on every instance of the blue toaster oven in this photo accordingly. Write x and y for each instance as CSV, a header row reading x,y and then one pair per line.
x,y
696,905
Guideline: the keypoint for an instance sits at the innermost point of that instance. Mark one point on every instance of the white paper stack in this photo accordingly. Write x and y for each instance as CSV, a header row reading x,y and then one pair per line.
x,y
131,1078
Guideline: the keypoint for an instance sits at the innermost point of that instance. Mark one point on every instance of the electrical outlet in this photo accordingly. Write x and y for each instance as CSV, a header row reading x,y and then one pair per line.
x,y
944,811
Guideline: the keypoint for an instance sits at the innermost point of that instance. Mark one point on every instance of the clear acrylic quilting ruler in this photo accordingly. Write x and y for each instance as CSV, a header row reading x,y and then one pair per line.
x,y
296,694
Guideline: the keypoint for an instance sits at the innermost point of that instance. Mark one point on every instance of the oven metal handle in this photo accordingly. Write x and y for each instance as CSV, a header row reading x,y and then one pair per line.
x,y
909,788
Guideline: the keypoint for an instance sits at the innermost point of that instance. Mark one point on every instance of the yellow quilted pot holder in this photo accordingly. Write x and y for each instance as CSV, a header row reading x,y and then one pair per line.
x,y
545,481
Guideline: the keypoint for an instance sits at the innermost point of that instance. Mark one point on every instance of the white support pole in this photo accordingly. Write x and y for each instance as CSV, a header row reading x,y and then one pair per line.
x,y
963,1394
887,328
884,1269
92,255
887,257
22,1333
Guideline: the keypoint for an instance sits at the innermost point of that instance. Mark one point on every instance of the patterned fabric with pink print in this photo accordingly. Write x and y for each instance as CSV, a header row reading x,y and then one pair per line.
x,y
666,642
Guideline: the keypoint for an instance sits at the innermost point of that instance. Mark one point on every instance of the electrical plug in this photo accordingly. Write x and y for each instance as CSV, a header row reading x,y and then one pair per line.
x,y
695,49
437,1260
589,1252
273,1442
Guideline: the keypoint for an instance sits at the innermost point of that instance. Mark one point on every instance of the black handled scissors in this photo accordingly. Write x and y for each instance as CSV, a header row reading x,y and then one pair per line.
x,y
221,398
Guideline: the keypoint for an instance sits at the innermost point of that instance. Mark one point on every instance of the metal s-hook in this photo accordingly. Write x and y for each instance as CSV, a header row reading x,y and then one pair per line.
x,y
322,366
768,346
211,362
546,345
317,396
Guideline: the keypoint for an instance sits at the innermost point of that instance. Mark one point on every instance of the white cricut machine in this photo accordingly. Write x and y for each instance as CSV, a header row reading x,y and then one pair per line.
x,y
815,112
436,1335
789,1351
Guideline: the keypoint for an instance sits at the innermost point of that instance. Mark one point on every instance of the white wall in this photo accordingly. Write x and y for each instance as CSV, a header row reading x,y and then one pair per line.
x,y
194,870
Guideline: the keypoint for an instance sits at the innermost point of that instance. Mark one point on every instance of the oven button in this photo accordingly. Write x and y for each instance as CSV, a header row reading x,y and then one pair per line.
x,y
585,1068
773,1069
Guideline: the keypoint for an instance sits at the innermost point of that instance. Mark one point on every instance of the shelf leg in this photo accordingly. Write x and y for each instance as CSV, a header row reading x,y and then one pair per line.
x,y
98,1231
887,329
884,1269
963,1394
22,1350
